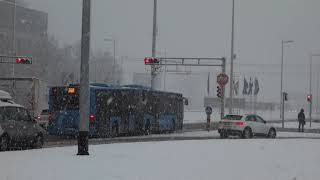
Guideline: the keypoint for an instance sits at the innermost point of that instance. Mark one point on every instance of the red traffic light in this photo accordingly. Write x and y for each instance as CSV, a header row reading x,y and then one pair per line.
x,y
21,60
309,97
18,60
150,60
147,60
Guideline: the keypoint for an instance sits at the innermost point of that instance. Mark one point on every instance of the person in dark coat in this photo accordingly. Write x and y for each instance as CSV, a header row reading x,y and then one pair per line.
x,y
301,119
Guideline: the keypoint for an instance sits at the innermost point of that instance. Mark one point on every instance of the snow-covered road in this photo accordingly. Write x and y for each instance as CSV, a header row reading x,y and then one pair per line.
x,y
283,159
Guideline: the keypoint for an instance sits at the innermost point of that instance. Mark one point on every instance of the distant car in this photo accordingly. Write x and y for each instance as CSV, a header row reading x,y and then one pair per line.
x,y
17,127
245,126
43,118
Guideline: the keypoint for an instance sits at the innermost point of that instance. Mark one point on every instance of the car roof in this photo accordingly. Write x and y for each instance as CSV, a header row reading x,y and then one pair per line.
x,y
5,95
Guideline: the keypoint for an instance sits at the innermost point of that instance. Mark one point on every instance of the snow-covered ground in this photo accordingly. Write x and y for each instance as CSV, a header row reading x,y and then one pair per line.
x,y
314,125
215,133
263,159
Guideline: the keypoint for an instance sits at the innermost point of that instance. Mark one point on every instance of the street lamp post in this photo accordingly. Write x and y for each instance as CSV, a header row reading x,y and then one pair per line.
x,y
13,48
281,84
114,56
310,87
154,43
83,146
231,65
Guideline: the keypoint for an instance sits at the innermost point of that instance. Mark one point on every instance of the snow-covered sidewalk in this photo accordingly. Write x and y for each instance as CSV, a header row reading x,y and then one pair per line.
x,y
262,159
314,125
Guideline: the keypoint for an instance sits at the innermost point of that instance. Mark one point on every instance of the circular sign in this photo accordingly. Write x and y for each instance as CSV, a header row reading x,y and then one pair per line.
x,y
222,79
208,110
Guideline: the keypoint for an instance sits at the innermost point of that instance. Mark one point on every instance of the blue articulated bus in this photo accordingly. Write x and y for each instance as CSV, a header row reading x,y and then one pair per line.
x,y
116,110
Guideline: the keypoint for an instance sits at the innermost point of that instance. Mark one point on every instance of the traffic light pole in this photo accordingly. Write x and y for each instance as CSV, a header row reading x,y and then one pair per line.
x,y
154,39
176,61
83,147
223,89
310,91
282,107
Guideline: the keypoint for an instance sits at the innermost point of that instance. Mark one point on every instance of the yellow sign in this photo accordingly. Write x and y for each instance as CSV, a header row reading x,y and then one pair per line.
x,y
71,90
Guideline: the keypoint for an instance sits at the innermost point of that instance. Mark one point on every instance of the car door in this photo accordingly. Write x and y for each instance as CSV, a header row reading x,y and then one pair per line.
x,y
261,125
251,122
29,125
23,125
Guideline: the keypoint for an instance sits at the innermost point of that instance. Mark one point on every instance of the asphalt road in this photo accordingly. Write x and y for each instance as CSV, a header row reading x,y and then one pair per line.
x,y
52,141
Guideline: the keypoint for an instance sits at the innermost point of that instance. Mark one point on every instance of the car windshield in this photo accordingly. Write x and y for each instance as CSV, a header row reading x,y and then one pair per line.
x,y
14,113
8,113
232,117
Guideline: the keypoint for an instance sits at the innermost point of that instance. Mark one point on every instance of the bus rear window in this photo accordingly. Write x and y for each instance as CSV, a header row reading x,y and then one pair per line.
x,y
63,100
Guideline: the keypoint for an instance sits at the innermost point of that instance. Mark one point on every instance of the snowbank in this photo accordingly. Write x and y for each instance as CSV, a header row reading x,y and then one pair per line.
x,y
262,159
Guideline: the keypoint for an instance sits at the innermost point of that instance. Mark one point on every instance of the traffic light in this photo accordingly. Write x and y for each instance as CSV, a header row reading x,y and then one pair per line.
x,y
150,60
285,96
309,98
219,92
23,60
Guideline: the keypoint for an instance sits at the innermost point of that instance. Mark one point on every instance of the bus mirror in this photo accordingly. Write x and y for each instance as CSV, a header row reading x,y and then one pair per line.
x,y
186,102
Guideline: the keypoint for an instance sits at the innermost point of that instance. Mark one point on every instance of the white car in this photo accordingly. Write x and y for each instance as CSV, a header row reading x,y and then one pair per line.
x,y
245,126
17,128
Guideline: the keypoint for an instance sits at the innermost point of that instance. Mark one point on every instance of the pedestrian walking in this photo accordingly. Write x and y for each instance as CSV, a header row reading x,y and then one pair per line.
x,y
301,119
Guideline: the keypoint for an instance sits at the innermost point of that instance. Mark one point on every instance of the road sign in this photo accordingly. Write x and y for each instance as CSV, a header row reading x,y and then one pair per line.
x,y
208,110
222,79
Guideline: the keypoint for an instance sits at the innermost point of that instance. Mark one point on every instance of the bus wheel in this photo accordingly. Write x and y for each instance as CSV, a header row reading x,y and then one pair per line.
x,y
115,131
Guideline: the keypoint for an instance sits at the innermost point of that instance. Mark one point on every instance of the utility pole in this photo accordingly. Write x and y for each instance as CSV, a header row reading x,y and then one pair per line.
x,y
114,58
14,49
231,65
281,81
114,61
223,89
83,146
317,107
310,87
154,39
310,91
281,87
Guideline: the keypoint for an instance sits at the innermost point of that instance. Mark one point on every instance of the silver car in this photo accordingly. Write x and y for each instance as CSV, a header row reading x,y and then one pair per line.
x,y
17,128
245,126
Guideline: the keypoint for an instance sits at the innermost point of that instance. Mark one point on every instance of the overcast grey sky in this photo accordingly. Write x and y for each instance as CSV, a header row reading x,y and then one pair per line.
x,y
201,28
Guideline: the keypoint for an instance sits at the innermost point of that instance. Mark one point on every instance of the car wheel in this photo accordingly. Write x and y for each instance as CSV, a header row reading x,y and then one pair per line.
x,y
38,142
223,135
4,143
247,133
115,130
272,133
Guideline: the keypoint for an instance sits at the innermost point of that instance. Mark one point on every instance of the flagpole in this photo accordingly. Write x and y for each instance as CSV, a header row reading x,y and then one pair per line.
x,y
208,84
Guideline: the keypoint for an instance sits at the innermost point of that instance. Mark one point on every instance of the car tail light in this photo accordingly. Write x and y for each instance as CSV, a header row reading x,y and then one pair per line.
x,y
238,123
50,116
91,117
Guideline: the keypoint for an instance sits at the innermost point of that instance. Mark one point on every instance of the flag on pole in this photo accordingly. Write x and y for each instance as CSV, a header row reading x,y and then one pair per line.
x,y
208,84
256,86
245,87
250,86
236,87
